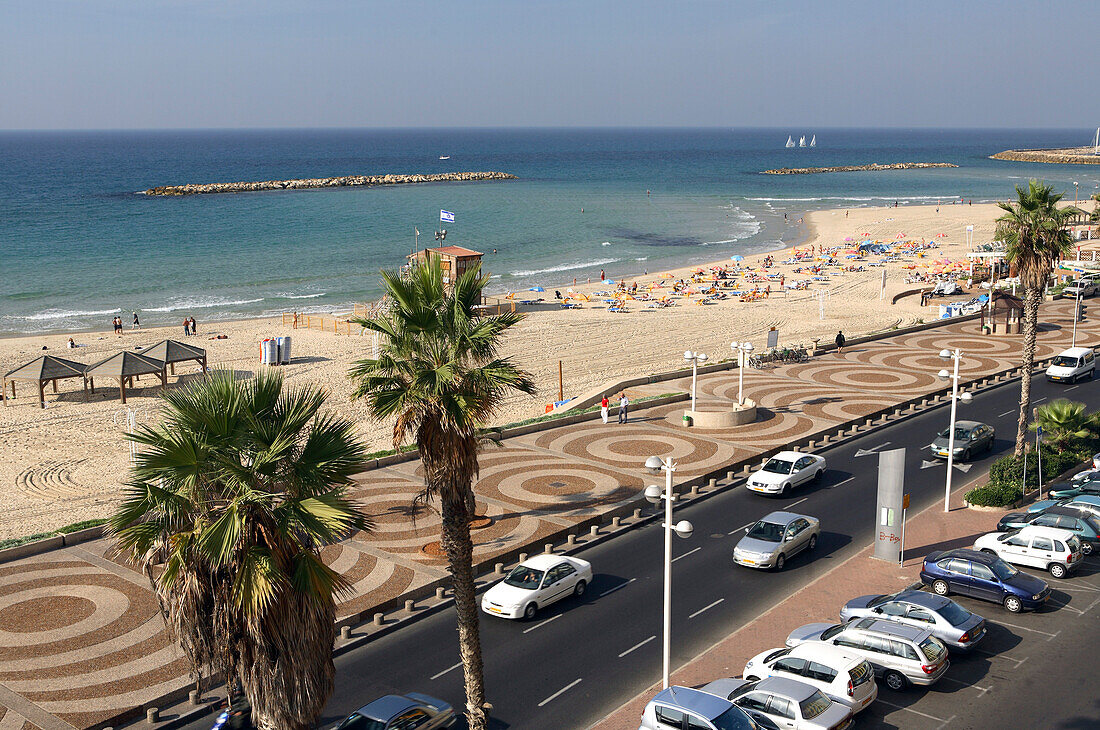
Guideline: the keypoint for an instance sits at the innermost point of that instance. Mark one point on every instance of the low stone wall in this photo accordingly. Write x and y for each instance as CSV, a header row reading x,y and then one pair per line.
x,y
873,167
324,182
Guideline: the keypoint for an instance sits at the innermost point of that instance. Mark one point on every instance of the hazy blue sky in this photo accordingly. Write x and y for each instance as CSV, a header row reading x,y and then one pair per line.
x,y
367,63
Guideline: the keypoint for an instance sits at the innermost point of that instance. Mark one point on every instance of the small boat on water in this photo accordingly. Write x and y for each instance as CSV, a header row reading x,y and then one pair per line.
x,y
813,142
790,142
444,157
802,141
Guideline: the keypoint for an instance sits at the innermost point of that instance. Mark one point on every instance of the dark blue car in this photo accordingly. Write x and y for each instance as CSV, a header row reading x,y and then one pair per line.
x,y
984,576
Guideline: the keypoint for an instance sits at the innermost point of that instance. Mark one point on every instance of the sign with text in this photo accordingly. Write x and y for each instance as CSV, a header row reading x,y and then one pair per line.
x,y
889,504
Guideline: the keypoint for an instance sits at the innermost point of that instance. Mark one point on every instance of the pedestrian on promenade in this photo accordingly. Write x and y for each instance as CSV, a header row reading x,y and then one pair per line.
x,y
839,342
605,404
624,403
137,322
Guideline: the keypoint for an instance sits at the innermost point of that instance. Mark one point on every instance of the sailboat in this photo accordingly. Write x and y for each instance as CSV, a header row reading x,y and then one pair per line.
x,y
444,157
802,141
790,142
1095,145
813,142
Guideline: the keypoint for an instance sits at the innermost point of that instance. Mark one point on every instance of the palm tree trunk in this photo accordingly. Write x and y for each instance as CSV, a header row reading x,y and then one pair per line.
x,y
456,542
1032,299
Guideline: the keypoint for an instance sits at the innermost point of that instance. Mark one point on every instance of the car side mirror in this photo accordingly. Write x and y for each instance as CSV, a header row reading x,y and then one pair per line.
x,y
876,610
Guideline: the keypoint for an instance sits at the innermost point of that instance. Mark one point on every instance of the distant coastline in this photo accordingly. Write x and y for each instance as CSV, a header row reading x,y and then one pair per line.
x,y
874,166
324,182
1063,156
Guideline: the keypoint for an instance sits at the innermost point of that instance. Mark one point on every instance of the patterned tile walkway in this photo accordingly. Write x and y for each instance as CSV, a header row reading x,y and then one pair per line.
x,y
81,639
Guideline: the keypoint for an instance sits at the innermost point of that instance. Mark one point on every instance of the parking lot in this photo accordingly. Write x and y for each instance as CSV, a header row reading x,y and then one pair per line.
x,y
1032,670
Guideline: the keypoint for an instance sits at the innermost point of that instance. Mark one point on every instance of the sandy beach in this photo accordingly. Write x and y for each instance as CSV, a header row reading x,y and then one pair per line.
x,y
64,463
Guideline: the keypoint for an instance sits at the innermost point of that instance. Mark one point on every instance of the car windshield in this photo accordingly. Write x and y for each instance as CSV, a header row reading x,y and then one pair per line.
x,y
955,614
814,705
524,577
1007,535
961,434
778,466
355,721
1065,362
933,649
733,719
766,531
831,632
1003,570
881,600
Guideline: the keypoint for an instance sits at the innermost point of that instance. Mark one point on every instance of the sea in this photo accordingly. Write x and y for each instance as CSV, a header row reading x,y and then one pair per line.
x,y
80,244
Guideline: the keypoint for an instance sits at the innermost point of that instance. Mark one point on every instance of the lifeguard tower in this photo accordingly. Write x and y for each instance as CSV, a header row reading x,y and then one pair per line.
x,y
454,260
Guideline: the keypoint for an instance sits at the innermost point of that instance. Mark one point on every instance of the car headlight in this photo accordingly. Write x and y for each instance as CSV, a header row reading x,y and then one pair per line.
x,y
1036,597
958,449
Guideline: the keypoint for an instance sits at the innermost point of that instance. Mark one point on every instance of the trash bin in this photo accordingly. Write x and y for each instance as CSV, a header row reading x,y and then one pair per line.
x,y
284,350
269,352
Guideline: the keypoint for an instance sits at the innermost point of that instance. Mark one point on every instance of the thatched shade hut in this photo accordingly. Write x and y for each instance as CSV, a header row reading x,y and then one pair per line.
x,y
171,352
42,370
124,367
1004,315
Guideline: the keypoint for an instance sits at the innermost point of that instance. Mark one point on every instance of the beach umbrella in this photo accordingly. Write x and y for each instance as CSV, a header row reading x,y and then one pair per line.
x,y
665,275
536,288
610,282
737,257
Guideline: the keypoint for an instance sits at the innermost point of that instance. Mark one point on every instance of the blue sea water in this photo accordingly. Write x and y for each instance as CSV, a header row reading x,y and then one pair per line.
x,y
80,245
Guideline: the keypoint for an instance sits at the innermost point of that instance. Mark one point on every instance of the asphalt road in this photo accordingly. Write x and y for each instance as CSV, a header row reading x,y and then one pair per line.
x,y
583,657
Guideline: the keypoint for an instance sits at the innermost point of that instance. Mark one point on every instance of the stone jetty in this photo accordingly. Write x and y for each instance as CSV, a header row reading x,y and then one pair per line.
x,y
857,168
325,182
1065,156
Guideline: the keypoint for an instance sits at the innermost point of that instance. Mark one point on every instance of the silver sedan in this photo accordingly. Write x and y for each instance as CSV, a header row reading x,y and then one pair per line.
x,y
773,540
948,621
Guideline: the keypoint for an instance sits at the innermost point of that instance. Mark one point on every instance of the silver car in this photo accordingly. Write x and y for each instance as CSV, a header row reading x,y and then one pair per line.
x,y
786,702
948,621
684,707
397,712
773,540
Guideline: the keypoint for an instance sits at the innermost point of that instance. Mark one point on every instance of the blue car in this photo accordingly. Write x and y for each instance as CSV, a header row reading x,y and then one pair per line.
x,y
987,577
1080,522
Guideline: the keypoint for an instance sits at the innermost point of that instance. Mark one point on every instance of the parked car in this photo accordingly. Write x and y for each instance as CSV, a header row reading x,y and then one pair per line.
x,y
845,677
684,708
786,470
949,622
1080,287
399,712
770,542
983,576
1081,522
1083,482
1071,365
1046,548
900,654
1085,503
535,584
786,702
970,438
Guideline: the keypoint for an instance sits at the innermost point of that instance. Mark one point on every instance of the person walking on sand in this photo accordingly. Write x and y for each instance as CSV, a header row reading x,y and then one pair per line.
x,y
839,342
194,327
137,322
624,404
605,404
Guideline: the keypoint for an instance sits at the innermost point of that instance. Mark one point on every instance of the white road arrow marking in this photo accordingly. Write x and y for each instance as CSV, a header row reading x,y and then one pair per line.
x,y
925,464
873,449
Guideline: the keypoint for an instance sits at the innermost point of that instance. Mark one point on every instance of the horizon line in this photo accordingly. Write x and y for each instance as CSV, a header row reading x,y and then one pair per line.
x,y
486,128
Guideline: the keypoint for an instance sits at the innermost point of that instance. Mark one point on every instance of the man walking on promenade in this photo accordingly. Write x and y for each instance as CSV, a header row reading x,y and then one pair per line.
x,y
624,403
839,342
604,405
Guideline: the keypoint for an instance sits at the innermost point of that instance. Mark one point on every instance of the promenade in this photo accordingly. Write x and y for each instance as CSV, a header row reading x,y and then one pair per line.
x,y
81,640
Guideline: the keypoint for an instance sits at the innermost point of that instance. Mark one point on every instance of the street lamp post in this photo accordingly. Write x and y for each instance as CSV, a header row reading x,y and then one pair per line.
x,y
743,349
1074,193
695,358
1076,313
955,355
654,494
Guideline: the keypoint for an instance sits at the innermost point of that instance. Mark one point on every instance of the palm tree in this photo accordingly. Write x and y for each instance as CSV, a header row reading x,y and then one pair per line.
x,y
226,510
1065,423
439,376
1034,231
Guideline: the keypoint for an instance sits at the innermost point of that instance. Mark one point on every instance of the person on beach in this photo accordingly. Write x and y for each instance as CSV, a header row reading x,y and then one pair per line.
x,y
186,326
602,275
624,403
839,342
194,327
117,321
605,404
137,322
71,343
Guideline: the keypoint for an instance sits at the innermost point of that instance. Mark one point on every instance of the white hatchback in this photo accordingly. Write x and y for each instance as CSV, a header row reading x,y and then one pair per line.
x,y
786,470
843,676
1046,548
535,584
1072,364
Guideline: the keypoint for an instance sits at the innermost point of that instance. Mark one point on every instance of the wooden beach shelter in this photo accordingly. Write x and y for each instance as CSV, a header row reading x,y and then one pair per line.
x,y
42,370
454,260
1004,315
124,367
171,352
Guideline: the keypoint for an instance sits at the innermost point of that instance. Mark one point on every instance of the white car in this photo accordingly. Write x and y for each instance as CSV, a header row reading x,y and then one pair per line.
x,y
1073,364
535,584
786,470
1046,548
845,677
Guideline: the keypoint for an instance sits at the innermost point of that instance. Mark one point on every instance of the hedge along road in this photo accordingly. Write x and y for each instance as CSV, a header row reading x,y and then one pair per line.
x,y
582,658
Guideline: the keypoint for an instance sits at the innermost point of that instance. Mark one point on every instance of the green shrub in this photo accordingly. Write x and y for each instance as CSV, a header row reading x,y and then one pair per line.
x,y
993,495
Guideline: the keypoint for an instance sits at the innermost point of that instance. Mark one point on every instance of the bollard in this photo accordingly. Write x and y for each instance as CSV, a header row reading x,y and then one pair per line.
x,y
695,490
410,605
713,483
811,443
825,439
440,593
379,619
345,634
746,470
638,514
616,523
548,548
522,557
498,569
870,421
570,539
594,530
152,715
194,697
730,475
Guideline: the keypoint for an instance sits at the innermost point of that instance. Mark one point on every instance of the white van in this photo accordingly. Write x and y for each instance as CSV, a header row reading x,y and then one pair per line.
x,y
1072,365
843,676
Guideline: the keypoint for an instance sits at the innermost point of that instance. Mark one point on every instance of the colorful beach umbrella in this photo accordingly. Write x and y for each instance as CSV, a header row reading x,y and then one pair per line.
x,y
536,288
736,257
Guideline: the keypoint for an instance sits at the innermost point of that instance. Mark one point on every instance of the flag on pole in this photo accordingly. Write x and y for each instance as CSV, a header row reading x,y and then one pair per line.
x,y
446,216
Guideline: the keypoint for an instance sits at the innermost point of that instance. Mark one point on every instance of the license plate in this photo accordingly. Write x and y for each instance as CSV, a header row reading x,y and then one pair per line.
x,y
865,700
495,610
748,562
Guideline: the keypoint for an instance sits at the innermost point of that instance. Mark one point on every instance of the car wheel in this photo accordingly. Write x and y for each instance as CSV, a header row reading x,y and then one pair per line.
x,y
813,542
579,590
530,611
785,490
1013,604
987,551
1057,570
895,680
820,473
780,561
966,455
940,587
1086,547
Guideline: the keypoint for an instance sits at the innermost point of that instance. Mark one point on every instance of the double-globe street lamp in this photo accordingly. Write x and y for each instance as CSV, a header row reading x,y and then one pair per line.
x,y
696,359
743,350
955,355
654,494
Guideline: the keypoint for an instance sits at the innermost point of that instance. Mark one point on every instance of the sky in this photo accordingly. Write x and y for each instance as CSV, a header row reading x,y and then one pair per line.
x,y
123,64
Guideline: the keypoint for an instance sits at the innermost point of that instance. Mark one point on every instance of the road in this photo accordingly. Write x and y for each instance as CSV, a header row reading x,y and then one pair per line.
x,y
583,657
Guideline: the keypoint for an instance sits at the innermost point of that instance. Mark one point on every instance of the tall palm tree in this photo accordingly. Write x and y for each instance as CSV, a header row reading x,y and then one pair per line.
x,y
1033,228
1065,423
438,374
227,508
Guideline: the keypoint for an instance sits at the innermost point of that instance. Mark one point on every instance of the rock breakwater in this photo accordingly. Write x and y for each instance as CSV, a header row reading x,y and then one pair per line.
x,y
325,182
1065,156
857,168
